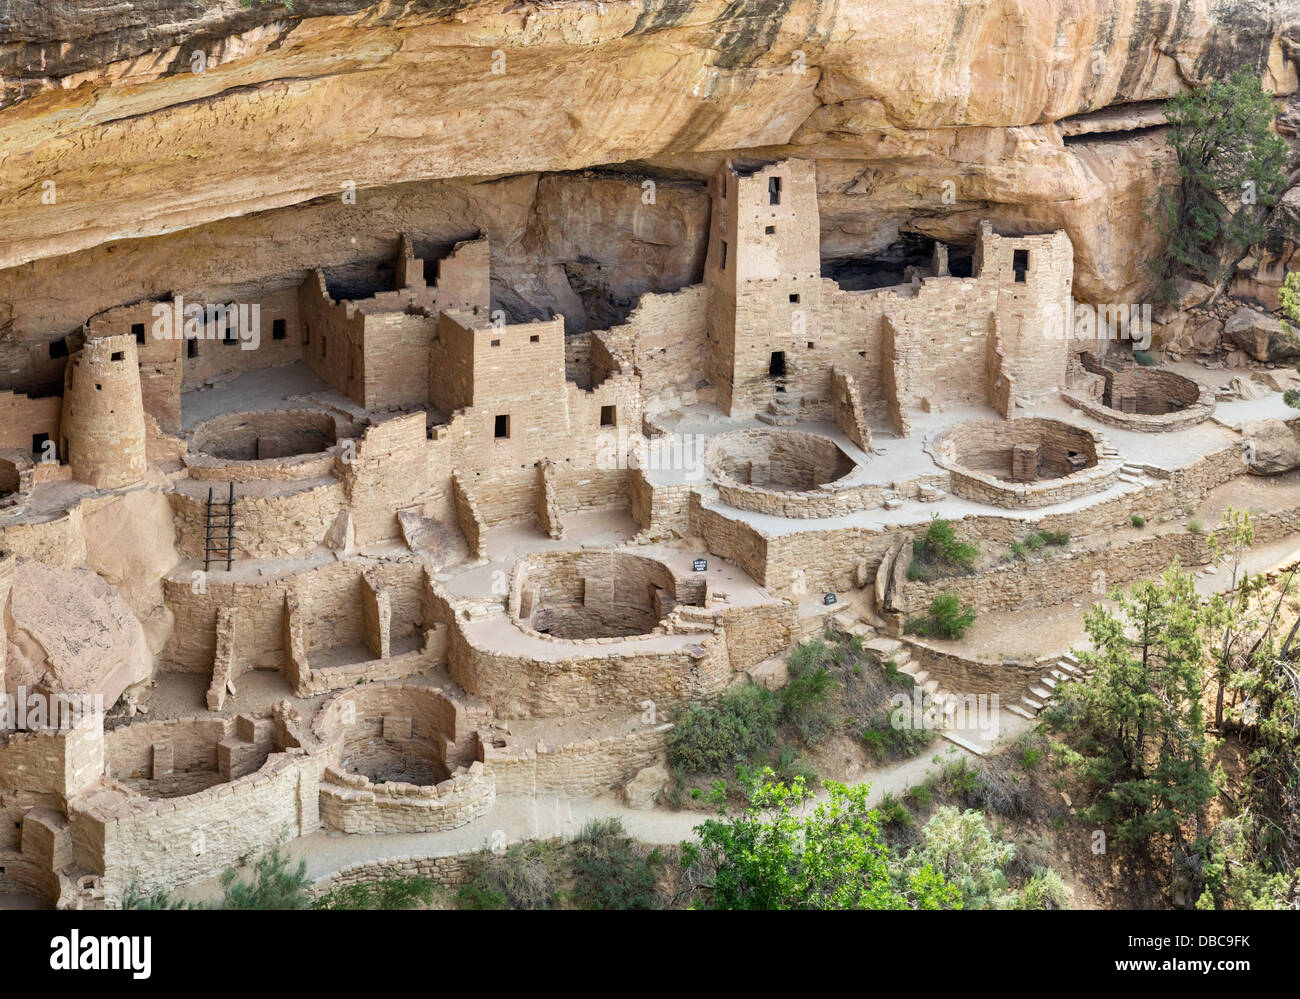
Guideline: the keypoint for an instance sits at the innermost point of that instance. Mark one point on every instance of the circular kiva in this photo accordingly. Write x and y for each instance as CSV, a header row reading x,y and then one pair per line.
x,y
595,594
1141,398
1028,462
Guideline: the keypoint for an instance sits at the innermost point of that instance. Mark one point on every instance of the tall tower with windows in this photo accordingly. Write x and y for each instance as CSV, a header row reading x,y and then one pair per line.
x,y
764,275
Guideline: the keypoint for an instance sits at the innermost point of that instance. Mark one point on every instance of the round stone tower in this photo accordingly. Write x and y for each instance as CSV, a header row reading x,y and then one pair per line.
x,y
102,429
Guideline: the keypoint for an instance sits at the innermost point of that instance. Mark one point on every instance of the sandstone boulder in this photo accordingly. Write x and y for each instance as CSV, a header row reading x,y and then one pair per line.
x,y
643,789
1261,336
71,632
1271,447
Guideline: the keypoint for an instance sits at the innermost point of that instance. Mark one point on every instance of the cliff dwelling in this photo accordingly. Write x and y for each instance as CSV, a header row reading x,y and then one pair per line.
x,y
406,497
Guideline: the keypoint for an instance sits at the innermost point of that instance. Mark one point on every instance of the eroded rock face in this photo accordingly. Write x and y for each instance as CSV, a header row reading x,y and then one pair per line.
x,y
1271,447
1002,98
72,632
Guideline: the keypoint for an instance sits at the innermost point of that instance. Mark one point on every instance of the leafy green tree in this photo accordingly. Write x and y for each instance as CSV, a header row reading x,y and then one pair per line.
x,y
1143,742
1230,170
777,855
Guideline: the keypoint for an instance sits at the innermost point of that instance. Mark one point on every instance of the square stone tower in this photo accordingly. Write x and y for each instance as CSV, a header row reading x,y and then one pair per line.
x,y
763,273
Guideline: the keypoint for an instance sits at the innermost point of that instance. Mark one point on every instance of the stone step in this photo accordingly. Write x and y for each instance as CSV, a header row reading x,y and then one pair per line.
x,y
1070,657
1132,469
920,676
1048,682
1035,706
965,744
1072,670
1039,692
930,687
883,647
1016,709
775,420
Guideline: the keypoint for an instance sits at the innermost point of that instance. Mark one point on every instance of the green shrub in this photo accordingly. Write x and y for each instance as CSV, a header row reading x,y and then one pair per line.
x,y
1137,520
1044,890
807,657
959,780
941,542
1035,541
893,812
1058,538
708,739
525,876
790,765
1144,358
897,677
1194,526
609,870
1292,397
886,742
1030,757
948,618
919,796
387,893
273,885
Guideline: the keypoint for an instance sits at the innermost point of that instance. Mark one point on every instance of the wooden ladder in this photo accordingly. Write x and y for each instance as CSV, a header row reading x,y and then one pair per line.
x,y
221,519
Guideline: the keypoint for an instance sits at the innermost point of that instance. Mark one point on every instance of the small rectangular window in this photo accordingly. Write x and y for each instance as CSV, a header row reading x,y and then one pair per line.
x,y
770,230
534,339
306,333
608,416
137,330
774,190
810,345
192,348
322,345
794,299
1020,264
38,443
117,355
501,430
723,266
279,329
496,343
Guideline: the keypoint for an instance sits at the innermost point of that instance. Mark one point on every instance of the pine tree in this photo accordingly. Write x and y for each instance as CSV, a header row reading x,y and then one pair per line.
x,y
1230,165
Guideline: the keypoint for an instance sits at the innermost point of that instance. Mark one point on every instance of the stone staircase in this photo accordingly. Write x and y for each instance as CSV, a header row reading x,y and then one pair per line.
x,y
782,411
1134,475
893,650
1057,669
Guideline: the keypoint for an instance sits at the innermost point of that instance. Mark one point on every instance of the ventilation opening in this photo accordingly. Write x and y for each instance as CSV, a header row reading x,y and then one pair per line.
x,y
279,329
137,331
501,429
607,416
1020,264
774,190
776,366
